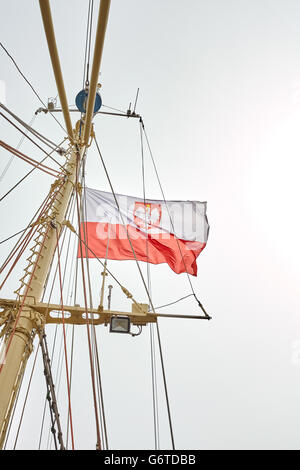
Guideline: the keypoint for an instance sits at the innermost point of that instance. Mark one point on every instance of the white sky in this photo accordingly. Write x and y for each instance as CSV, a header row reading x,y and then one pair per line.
x,y
220,97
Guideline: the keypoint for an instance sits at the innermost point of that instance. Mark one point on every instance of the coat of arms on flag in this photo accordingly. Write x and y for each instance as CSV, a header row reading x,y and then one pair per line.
x,y
147,215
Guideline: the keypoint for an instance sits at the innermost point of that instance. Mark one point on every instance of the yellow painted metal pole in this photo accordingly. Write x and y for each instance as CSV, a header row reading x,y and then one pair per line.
x,y
99,42
104,274
49,30
21,343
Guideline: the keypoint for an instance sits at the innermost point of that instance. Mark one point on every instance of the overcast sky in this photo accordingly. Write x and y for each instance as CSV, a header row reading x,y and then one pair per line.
x,y
220,97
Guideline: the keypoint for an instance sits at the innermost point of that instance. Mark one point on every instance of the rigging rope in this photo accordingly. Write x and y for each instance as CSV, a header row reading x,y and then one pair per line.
x,y
25,400
25,176
28,127
28,82
171,221
165,386
65,341
75,277
125,226
94,336
12,236
51,395
114,109
31,140
13,413
175,301
68,212
71,375
22,244
12,157
147,291
27,286
69,215
88,44
152,344
31,161
24,296
154,389
98,446
69,209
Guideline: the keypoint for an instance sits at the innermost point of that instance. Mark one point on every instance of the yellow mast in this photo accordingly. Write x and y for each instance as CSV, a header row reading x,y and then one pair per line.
x,y
26,316
99,41
23,321
49,31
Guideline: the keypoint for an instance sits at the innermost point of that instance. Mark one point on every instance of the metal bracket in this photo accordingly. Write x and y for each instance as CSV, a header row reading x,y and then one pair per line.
x,y
76,315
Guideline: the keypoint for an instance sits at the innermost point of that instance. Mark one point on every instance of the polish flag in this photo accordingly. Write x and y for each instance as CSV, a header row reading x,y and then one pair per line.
x,y
173,232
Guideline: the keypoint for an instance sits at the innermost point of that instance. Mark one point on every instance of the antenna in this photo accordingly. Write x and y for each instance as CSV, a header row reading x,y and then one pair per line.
x,y
136,98
132,113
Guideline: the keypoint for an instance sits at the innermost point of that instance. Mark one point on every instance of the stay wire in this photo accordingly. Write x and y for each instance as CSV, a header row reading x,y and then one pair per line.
x,y
46,204
89,46
70,294
17,244
152,344
71,375
94,336
85,235
26,398
122,219
14,235
28,82
55,332
83,210
86,45
69,209
13,156
65,339
24,296
37,349
13,414
30,129
175,301
24,240
31,161
154,389
26,175
148,294
31,140
81,241
98,446
165,386
113,109
163,194
85,78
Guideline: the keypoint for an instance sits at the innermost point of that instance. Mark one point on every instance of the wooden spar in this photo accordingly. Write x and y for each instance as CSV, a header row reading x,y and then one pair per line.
x,y
99,43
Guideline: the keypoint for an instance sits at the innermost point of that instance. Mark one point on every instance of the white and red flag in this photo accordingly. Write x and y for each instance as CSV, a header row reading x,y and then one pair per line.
x,y
173,232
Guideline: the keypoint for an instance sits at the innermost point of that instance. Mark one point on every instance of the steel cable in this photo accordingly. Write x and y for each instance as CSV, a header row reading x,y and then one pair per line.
x,y
28,82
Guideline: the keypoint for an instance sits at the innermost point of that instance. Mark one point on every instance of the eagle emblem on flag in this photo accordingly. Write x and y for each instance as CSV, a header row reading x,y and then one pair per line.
x,y
147,215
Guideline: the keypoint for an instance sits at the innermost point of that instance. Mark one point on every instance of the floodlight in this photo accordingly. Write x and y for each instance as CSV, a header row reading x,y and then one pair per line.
x,y
119,324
